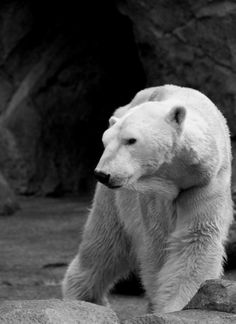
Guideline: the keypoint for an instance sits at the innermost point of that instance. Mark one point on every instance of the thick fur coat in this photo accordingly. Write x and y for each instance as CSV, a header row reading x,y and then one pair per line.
x,y
165,208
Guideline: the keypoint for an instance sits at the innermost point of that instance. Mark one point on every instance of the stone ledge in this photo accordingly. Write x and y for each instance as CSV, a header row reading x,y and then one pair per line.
x,y
55,311
186,317
214,303
218,295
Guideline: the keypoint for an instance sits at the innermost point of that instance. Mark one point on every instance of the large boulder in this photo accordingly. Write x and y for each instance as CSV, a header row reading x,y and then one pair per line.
x,y
185,317
219,295
214,303
55,312
74,312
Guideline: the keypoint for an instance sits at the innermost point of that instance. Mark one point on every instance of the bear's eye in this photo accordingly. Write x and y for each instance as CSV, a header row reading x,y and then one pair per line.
x,y
130,141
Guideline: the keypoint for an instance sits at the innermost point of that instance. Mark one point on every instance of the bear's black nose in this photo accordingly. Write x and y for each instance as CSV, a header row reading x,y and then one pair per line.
x,y
102,177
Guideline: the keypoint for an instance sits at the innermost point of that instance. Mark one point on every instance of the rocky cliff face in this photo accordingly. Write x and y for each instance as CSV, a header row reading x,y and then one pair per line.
x,y
65,68
191,43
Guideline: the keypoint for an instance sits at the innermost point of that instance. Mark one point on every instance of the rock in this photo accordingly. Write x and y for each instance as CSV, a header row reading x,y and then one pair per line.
x,y
215,302
128,307
190,43
185,317
218,295
55,311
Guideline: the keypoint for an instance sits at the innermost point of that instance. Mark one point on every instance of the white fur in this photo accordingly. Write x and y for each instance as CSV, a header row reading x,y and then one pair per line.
x,y
171,215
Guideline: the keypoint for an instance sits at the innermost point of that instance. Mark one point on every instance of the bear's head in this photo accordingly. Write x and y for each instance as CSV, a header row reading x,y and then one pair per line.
x,y
138,143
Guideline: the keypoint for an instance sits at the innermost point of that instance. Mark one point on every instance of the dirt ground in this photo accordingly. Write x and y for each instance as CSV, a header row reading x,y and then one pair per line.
x,y
36,245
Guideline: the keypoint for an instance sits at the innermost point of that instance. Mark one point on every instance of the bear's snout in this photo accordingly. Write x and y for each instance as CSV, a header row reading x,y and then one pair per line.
x,y
105,178
102,177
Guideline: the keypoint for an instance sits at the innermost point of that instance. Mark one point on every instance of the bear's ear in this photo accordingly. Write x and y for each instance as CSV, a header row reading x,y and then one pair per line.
x,y
177,116
112,121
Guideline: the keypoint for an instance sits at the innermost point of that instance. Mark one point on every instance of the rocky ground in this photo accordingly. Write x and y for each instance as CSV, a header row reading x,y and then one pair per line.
x,y
38,241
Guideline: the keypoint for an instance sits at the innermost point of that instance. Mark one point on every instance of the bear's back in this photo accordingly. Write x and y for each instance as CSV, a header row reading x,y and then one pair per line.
x,y
192,99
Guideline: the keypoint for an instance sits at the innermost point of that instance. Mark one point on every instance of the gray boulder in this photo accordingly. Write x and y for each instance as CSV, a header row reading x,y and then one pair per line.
x,y
186,317
215,302
219,295
55,311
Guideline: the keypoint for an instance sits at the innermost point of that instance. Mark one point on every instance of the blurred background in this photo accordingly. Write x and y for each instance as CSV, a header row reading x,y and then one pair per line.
x,y
64,67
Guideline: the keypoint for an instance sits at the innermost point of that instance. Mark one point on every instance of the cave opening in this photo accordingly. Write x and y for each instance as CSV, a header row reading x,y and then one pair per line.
x,y
79,62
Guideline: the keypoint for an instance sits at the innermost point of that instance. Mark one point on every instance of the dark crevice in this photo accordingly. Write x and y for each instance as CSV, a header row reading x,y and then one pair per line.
x,y
90,67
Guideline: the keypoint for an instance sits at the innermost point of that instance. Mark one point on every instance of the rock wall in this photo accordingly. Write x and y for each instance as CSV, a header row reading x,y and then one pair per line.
x,y
190,43
64,68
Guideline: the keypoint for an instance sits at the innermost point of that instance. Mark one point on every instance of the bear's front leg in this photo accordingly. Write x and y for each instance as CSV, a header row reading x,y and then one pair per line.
x,y
104,253
195,249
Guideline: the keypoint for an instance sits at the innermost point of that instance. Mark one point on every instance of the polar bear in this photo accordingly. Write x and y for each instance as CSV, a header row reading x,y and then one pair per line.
x,y
163,204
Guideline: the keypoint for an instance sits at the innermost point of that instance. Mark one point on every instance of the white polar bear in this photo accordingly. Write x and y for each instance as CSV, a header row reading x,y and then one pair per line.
x,y
166,207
